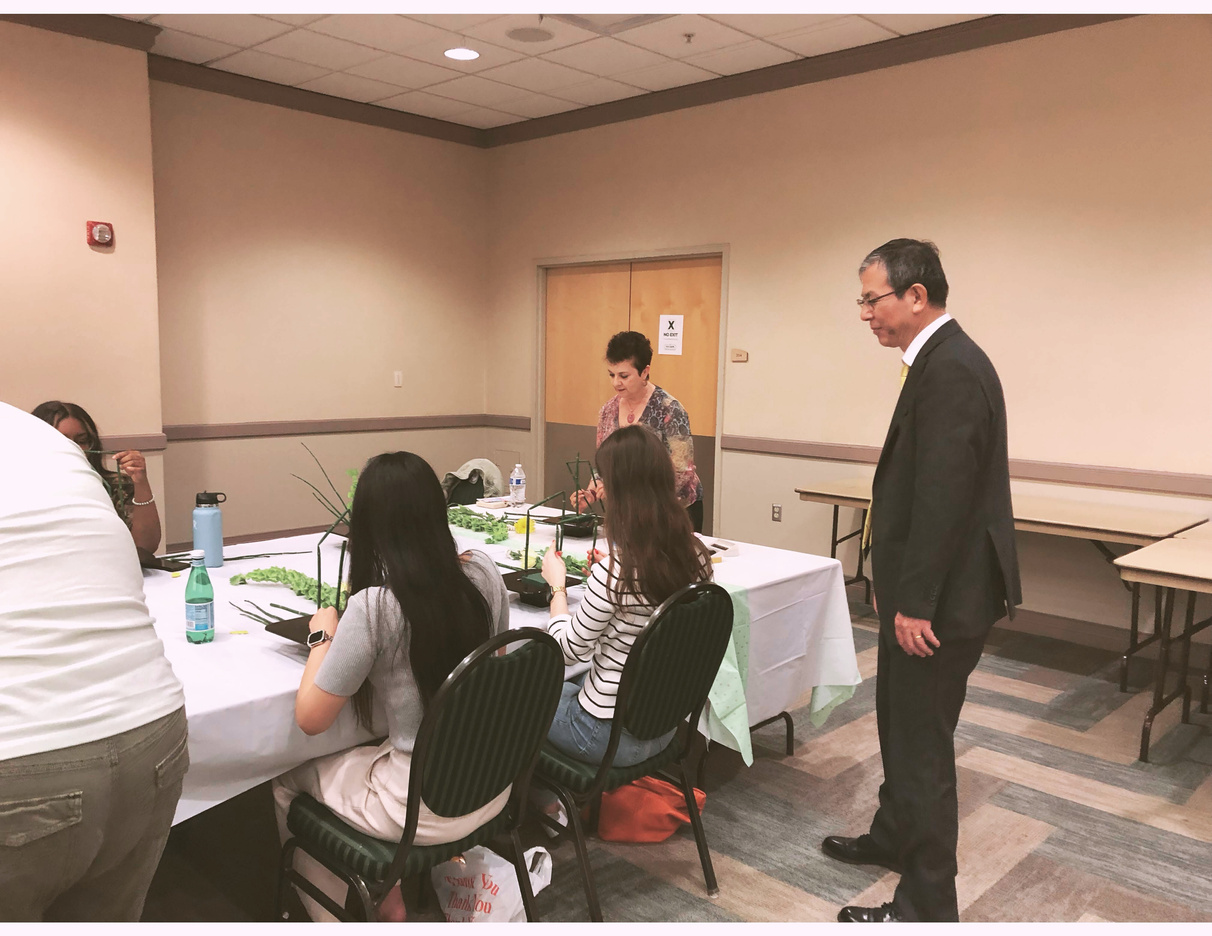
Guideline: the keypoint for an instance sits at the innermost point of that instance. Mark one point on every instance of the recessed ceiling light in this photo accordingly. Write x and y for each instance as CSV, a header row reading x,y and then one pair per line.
x,y
530,34
462,54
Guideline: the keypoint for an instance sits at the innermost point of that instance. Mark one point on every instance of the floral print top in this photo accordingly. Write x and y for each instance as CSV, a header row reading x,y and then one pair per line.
x,y
665,416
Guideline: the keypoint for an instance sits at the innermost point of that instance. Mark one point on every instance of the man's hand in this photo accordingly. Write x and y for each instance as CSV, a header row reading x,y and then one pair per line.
x,y
915,636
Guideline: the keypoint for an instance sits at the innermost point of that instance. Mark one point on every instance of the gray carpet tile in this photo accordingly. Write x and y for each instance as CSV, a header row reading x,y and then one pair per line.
x,y
1127,853
1173,781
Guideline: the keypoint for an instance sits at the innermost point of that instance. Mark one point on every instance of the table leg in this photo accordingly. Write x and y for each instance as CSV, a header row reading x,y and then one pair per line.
x,y
1133,636
835,541
1184,666
1165,610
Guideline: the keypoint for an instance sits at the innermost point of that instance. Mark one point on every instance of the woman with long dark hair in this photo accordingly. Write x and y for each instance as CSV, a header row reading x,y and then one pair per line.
x,y
653,553
128,487
416,609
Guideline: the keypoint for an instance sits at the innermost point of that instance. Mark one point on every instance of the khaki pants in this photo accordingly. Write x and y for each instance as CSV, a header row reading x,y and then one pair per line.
x,y
82,828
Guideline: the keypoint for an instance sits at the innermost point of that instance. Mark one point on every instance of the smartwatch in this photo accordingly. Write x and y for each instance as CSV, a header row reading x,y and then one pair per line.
x,y
315,638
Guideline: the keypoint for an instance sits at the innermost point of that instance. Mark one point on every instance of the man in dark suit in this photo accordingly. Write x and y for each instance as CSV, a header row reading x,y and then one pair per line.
x,y
941,535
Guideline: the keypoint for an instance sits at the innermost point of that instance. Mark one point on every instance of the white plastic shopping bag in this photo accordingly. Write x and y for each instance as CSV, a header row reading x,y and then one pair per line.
x,y
482,887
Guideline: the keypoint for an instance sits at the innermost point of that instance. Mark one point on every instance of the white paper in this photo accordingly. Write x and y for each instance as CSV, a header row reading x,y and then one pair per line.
x,y
670,341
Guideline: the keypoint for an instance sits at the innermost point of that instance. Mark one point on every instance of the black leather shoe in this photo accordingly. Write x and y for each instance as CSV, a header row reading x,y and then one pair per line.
x,y
886,913
861,850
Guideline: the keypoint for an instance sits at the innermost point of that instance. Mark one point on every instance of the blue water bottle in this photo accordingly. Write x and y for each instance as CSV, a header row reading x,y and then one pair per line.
x,y
208,527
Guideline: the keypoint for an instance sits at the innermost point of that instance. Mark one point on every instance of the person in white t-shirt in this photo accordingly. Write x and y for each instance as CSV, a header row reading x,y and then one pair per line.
x,y
93,744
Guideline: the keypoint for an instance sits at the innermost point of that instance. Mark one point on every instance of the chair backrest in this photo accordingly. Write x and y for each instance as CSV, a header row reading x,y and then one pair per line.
x,y
466,491
673,662
484,726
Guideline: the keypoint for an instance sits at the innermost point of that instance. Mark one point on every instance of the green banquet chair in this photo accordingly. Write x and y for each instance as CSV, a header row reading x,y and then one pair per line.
x,y
664,685
482,731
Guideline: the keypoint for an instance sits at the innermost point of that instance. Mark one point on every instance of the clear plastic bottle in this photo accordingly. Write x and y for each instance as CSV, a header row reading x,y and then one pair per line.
x,y
517,486
199,601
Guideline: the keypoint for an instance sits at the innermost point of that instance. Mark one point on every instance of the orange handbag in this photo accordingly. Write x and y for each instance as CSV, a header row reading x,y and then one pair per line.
x,y
645,810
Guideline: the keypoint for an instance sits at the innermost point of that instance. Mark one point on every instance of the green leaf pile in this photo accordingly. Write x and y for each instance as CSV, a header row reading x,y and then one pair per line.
x,y
302,585
571,563
497,530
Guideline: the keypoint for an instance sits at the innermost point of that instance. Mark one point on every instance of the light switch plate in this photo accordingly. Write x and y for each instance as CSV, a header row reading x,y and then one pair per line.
x,y
397,378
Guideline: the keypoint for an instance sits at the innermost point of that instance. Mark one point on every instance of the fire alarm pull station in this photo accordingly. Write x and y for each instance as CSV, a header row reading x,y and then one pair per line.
x,y
100,233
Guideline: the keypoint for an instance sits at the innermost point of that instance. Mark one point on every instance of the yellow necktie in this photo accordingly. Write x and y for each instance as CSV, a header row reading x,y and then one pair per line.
x,y
866,541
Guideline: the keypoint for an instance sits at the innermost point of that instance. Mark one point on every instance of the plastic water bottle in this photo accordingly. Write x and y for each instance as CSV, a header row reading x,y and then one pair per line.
x,y
199,601
517,486
208,527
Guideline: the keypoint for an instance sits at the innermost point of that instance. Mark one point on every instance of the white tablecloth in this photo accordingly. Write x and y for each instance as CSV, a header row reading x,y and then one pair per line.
x,y
240,689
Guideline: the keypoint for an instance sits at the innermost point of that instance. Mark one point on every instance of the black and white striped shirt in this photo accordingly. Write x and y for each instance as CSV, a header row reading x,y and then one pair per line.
x,y
601,632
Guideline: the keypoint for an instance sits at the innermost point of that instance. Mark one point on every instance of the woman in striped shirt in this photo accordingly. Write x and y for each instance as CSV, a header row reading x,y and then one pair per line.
x,y
653,553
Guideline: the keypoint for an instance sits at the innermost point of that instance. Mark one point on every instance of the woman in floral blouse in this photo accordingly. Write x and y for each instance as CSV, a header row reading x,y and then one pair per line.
x,y
639,401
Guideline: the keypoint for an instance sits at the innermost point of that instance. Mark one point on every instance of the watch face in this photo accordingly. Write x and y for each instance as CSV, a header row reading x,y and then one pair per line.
x,y
315,638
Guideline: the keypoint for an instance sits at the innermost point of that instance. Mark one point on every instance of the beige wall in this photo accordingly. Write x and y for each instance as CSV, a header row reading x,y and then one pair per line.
x,y
303,260
1065,179
78,323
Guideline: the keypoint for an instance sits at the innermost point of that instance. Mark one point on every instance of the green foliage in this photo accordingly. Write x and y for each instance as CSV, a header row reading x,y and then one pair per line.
x,y
302,585
571,563
353,484
497,530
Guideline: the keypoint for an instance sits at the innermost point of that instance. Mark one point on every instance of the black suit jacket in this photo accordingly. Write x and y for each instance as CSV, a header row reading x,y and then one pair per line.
x,y
942,530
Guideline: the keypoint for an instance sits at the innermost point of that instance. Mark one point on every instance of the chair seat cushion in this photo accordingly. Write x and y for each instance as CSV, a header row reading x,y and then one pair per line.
x,y
327,836
577,776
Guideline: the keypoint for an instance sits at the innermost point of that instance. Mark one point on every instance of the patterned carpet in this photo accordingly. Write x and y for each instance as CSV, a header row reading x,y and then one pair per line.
x,y
1058,820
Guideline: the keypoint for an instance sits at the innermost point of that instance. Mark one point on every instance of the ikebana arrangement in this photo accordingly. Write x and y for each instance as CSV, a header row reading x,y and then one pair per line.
x,y
325,596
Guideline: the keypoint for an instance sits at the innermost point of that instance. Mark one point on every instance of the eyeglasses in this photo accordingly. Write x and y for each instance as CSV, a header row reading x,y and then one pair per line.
x,y
870,303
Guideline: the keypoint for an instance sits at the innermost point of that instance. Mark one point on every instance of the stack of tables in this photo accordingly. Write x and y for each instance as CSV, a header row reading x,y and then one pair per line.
x,y
1183,563
1100,524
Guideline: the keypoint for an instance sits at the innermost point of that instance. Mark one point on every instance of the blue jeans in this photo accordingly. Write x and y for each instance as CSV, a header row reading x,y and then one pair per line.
x,y
585,737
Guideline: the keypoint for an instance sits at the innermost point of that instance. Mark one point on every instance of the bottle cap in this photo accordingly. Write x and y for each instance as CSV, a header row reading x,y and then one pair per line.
x,y
197,554
209,499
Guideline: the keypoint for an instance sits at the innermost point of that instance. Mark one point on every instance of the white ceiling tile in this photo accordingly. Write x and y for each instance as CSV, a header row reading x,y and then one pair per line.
x,y
905,23
453,22
483,118
666,75
187,48
268,67
769,24
604,57
425,104
343,85
305,46
598,91
295,19
236,29
405,72
490,55
844,33
497,32
732,60
537,105
472,89
384,31
535,74
668,36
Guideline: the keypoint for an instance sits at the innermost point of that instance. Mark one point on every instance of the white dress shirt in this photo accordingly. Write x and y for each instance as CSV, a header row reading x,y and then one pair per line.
x,y
79,657
923,336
